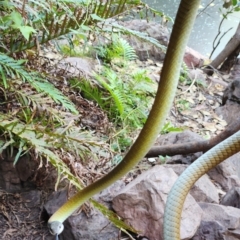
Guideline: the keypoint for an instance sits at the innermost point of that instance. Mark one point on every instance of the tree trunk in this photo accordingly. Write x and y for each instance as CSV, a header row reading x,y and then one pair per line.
x,y
231,46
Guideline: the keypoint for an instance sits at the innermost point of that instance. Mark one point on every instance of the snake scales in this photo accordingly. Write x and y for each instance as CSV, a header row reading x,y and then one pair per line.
x,y
160,109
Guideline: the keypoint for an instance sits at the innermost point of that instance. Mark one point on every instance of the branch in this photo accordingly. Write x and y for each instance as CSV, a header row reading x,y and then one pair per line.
x,y
201,146
230,47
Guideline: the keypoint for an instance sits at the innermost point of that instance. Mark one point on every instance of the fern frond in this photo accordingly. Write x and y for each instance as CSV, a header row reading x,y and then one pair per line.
x,y
68,138
59,19
49,89
12,68
141,35
123,49
89,91
110,87
39,105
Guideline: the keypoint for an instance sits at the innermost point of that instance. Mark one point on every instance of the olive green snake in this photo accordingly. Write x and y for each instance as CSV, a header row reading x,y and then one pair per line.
x,y
163,101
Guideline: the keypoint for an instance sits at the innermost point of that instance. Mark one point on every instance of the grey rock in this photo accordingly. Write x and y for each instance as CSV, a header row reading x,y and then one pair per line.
x,y
84,226
76,66
203,189
145,50
141,204
232,198
225,221
55,201
93,226
229,112
225,174
232,92
179,138
210,230
109,193
235,162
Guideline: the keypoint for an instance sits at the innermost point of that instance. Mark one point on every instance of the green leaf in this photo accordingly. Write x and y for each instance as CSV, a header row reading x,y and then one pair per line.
x,y
113,217
86,28
16,18
26,31
20,148
234,2
96,17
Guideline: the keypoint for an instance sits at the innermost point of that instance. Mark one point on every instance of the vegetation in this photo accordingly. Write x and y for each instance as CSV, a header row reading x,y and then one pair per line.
x,y
36,116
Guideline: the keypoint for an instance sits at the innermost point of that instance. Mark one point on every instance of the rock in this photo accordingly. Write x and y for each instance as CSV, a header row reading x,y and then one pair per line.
x,y
234,160
14,179
203,190
232,198
224,220
197,74
76,66
225,174
55,201
210,230
178,138
141,204
193,58
232,92
92,226
109,193
145,50
229,112
235,71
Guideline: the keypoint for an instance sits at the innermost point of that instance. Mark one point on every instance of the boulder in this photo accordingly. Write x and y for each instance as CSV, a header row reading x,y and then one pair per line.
x,y
141,204
226,174
229,112
144,49
179,138
218,222
232,198
75,67
193,58
85,225
203,190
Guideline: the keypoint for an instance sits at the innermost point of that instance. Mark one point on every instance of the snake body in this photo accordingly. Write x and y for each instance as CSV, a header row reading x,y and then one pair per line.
x,y
160,109
182,186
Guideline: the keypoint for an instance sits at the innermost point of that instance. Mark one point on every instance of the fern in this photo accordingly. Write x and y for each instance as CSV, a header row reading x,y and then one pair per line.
x,y
121,48
13,69
67,138
89,91
118,48
54,20
125,50
112,87
141,35
38,106
49,89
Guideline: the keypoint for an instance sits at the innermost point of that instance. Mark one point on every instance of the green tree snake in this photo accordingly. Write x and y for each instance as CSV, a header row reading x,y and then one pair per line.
x,y
163,101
